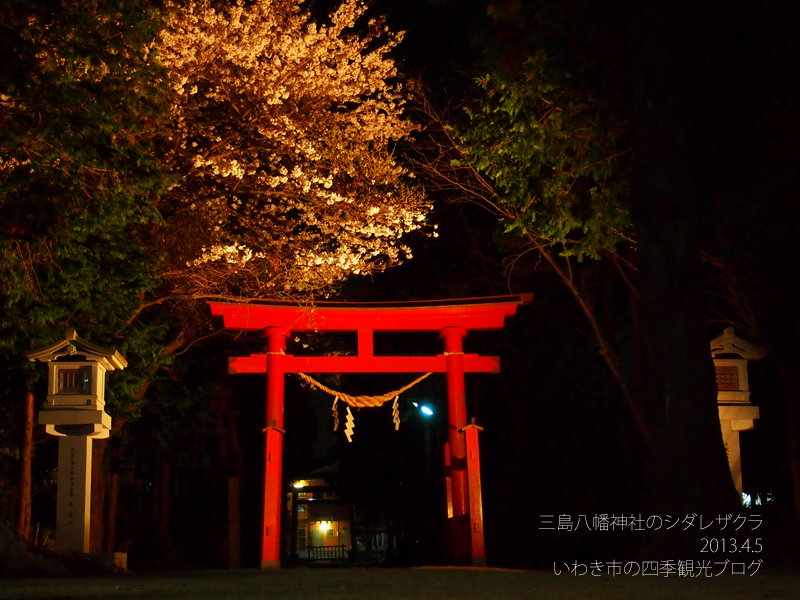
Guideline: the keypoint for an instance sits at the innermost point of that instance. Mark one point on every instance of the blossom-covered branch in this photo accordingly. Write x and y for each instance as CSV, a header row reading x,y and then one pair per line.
x,y
282,131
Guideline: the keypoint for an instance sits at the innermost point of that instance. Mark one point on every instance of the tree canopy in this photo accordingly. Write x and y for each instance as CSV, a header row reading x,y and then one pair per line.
x,y
551,157
79,103
149,157
281,131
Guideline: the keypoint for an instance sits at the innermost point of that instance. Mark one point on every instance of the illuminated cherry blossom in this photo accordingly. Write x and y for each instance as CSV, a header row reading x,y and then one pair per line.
x,y
282,132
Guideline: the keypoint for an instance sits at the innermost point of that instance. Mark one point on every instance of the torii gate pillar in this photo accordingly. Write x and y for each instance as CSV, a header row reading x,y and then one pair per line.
x,y
271,545
457,413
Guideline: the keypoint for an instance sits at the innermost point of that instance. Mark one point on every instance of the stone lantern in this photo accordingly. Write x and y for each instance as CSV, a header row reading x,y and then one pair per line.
x,y
730,355
76,413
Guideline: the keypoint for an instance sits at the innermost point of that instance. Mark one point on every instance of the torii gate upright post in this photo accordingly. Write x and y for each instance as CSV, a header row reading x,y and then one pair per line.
x,y
457,413
271,544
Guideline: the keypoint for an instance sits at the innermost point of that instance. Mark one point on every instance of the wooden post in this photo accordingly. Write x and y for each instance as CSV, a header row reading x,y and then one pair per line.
x,y
111,522
24,492
293,556
448,481
449,531
475,496
97,512
234,523
271,545
457,412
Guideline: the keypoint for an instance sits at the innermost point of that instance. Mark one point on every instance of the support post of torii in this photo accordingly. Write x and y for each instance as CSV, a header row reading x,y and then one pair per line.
x,y
452,319
271,545
457,420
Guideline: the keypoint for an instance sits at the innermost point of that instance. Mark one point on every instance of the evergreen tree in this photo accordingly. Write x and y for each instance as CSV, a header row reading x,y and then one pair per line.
x,y
541,149
80,99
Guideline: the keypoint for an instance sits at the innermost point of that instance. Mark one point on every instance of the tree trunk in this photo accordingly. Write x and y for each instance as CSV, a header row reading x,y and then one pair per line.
x,y
235,523
230,451
353,535
789,398
110,478
687,472
24,492
111,521
98,500
793,448
163,502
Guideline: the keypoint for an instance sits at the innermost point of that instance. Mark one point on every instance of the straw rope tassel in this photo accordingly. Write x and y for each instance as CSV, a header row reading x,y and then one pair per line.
x,y
396,413
335,410
349,425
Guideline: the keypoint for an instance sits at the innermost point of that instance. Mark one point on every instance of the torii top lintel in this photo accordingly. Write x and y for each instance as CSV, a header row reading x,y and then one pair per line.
x,y
464,315
472,313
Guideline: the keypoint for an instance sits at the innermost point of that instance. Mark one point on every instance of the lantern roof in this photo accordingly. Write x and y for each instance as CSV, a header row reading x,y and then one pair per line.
x,y
73,345
728,343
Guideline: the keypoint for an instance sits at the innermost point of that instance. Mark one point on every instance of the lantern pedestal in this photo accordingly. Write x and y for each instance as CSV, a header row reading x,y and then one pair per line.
x,y
734,419
74,493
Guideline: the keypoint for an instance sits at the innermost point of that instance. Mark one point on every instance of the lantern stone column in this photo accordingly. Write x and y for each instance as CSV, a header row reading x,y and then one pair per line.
x,y
273,472
74,494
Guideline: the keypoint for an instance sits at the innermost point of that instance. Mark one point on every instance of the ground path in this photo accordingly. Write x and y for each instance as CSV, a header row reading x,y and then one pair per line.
x,y
406,584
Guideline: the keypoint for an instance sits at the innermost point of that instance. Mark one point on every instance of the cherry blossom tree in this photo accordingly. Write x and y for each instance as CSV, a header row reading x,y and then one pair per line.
x,y
281,132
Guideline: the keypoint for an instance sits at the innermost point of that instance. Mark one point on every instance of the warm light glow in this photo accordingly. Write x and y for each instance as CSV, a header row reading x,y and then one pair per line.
x,y
324,526
299,484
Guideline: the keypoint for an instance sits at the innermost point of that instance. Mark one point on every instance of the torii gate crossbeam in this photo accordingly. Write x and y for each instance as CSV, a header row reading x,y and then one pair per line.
x,y
451,318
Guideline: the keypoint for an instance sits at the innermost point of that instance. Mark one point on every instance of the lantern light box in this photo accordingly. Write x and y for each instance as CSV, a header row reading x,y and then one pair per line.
x,y
76,386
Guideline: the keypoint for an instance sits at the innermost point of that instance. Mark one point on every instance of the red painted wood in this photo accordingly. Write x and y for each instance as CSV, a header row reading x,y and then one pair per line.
x,y
271,545
448,482
451,319
257,363
276,369
475,496
255,317
449,531
364,342
457,415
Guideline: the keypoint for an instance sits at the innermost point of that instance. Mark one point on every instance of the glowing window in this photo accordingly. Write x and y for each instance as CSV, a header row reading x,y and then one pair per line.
x,y
75,381
727,378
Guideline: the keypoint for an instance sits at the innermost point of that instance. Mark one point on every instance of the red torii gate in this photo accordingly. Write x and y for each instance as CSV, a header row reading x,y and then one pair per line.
x,y
451,318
